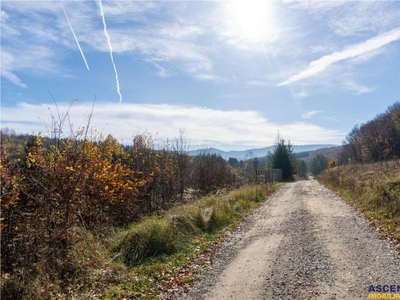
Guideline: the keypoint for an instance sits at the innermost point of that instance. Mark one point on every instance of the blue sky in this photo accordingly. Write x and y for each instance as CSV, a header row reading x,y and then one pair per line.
x,y
231,73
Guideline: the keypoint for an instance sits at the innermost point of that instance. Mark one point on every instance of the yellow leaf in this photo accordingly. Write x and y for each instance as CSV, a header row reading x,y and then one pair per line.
x,y
106,187
1,219
16,227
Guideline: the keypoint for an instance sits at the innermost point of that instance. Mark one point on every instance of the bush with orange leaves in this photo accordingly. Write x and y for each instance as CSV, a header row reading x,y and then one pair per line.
x,y
64,184
10,181
332,164
57,185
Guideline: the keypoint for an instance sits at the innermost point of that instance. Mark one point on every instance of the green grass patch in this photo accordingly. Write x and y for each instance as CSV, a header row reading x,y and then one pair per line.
x,y
159,251
159,236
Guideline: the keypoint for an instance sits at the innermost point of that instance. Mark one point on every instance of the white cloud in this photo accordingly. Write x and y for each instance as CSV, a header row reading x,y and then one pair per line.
x,y
212,77
32,46
179,31
316,5
126,10
360,17
228,96
320,65
352,18
302,94
256,83
161,71
178,54
172,40
12,78
359,89
6,28
7,66
32,58
310,114
204,126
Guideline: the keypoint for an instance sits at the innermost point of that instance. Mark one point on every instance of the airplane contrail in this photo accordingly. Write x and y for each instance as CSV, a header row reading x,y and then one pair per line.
x,y
111,51
76,40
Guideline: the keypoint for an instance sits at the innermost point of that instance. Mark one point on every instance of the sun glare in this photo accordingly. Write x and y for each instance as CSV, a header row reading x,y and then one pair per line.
x,y
251,20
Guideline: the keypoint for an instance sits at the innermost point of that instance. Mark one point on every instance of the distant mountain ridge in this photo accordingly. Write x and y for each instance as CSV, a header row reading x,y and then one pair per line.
x,y
260,152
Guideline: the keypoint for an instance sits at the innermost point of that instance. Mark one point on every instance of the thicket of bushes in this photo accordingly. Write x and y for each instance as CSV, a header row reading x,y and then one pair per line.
x,y
61,197
51,187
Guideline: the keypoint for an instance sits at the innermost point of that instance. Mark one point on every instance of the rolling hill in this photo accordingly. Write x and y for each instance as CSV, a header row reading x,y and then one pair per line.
x,y
259,152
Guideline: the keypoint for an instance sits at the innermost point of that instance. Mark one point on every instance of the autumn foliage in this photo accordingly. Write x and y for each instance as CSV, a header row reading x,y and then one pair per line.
x,y
57,185
376,140
368,171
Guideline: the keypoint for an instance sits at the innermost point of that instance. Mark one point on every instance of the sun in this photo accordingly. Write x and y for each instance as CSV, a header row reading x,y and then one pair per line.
x,y
251,20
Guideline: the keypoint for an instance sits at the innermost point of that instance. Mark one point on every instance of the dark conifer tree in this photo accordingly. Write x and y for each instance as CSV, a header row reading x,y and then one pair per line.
x,y
283,158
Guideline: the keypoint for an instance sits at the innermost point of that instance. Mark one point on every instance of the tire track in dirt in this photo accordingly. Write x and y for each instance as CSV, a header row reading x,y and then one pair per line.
x,y
303,243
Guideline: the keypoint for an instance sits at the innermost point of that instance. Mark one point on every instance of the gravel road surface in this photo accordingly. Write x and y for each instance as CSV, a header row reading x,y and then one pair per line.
x,y
303,243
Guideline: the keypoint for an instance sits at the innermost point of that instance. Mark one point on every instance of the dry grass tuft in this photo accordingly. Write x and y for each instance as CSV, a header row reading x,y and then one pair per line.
x,y
374,189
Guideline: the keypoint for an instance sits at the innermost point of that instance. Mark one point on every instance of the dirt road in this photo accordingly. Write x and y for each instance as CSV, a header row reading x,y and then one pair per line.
x,y
303,243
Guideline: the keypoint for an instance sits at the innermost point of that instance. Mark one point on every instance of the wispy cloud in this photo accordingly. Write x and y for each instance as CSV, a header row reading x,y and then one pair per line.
x,y
352,18
12,78
256,83
302,94
29,45
206,76
111,51
310,114
228,96
171,44
175,56
161,71
320,65
6,29
358,17
359,89
227,129
179,31
7,62
76,39
34,59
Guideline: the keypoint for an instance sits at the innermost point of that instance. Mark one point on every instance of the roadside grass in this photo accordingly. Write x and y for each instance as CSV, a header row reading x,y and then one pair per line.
x,y
374,189
168,251
155,256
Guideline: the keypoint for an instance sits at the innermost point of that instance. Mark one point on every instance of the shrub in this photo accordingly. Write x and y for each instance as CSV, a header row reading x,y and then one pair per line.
x,y
374,188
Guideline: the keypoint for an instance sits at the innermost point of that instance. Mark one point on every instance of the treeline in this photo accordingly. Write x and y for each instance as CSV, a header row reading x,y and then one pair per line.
x,y
51,186
369,174
282,158
376,140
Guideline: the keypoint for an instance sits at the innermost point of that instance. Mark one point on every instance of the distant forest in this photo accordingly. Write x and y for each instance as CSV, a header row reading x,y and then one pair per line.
x,y
376,140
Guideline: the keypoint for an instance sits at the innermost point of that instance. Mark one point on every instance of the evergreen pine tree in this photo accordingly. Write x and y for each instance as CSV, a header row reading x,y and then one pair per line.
x,y
283,158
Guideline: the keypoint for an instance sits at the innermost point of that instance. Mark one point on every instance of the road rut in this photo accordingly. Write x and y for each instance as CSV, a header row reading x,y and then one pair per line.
x,y
303,243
